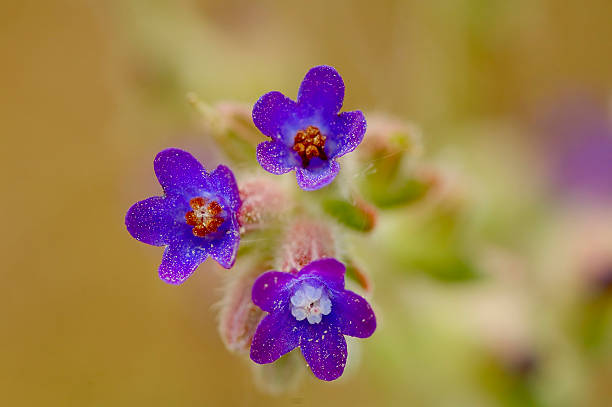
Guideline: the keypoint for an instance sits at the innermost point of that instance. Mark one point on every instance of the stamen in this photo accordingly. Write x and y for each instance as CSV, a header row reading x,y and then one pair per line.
x,y
204,218
309,143
197,203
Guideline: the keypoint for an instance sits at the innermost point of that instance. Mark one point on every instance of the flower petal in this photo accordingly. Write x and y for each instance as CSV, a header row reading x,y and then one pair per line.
x,y
179,172
276,335
222,181
322,90
314,318
350,127
331,272
152,221
315,177
299,313
275,157
268,289
324,349
325,304
224,250
311,293
271,112
353,315
179,261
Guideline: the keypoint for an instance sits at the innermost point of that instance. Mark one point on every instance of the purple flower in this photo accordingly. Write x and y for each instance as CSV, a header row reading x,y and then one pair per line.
x,y
308,135
196,218
581,145
312,310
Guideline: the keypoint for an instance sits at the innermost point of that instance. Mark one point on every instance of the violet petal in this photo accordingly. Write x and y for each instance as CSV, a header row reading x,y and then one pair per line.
x,y
179,172
350,127
271,112
317,176
329,270
151,221
224,250
321,91
179,261
222,181
353,314
276,335
324,349
268,289
275,157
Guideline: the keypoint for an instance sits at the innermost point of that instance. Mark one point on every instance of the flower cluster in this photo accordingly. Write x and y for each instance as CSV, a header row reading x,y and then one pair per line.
x,y
203,214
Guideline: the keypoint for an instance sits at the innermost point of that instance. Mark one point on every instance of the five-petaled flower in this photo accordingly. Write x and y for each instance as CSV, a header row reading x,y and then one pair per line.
x,y
310,309
308,135
196,218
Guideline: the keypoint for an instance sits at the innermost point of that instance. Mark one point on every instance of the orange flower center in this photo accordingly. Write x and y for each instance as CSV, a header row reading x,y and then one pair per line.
x,y
309,143
205,216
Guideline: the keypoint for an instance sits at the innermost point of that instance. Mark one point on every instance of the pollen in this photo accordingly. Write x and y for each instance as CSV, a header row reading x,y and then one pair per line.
x,y
309,143
206,216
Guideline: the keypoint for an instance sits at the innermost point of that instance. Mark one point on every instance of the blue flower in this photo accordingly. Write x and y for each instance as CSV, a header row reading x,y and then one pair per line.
x,y
196,218
310,309
308,135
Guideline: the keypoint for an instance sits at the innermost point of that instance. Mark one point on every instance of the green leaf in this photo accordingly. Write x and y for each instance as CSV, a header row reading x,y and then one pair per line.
x,y
352,216
389,195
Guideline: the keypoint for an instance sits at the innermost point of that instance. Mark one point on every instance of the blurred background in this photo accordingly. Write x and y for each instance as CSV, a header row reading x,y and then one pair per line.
x,y
496,292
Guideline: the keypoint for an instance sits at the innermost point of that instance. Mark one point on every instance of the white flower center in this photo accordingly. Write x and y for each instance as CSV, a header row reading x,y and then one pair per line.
x,y
310,303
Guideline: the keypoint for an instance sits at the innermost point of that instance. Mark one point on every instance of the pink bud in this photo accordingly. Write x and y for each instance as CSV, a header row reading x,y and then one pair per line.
x,y
368,210
357,274
388,135
307,240
236,117
262,200
239,317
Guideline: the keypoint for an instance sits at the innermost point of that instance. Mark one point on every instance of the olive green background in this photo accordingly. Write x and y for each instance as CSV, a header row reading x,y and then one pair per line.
x,y
91,90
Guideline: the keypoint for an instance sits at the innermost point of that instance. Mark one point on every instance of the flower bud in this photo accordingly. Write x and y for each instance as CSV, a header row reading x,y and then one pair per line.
x,y
230,125
387,136
262,200
356,273
238,316
356,214
236,117
389,177
306,240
